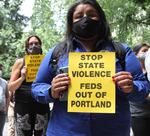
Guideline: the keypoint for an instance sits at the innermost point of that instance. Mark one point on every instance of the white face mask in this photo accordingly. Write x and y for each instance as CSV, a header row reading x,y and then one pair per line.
x,y
1,73
142,56
35,49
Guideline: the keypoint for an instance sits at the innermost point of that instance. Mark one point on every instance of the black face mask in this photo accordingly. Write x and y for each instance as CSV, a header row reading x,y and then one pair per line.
x,y
86,27
34,49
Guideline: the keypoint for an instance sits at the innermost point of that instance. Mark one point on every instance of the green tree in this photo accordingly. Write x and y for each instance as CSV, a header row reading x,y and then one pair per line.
x,y
49,20
129,19
43,23
11,30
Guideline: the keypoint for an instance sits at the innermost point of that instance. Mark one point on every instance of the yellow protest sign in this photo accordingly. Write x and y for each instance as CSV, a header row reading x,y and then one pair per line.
x,y
92,89
32,62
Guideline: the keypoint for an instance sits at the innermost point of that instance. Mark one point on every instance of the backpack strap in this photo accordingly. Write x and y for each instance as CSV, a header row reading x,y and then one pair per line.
x,y
55,58
120,53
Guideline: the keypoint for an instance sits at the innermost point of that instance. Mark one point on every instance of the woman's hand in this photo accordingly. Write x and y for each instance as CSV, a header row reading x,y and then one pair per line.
x,y
59,85
124,81
23,72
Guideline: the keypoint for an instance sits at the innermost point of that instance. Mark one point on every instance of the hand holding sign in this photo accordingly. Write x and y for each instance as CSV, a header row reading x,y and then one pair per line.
x,y
23,72
124,80
59,85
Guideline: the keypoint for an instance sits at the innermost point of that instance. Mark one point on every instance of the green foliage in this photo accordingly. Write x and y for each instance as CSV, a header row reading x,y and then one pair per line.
x,y
43,23
128,20
11,30
49,20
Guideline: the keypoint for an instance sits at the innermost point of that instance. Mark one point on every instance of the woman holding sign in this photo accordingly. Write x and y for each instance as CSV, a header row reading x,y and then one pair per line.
x,y
30,116
88,31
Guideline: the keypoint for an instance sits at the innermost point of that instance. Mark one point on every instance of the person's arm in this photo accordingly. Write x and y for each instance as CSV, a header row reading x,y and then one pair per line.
x,y
49,87
42,85
139,88
16,79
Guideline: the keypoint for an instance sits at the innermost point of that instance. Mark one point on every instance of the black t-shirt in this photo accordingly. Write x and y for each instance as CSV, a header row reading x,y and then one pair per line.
x,y
23,93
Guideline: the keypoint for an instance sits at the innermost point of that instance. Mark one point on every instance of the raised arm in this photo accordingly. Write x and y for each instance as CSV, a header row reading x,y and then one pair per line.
x,y
17,75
